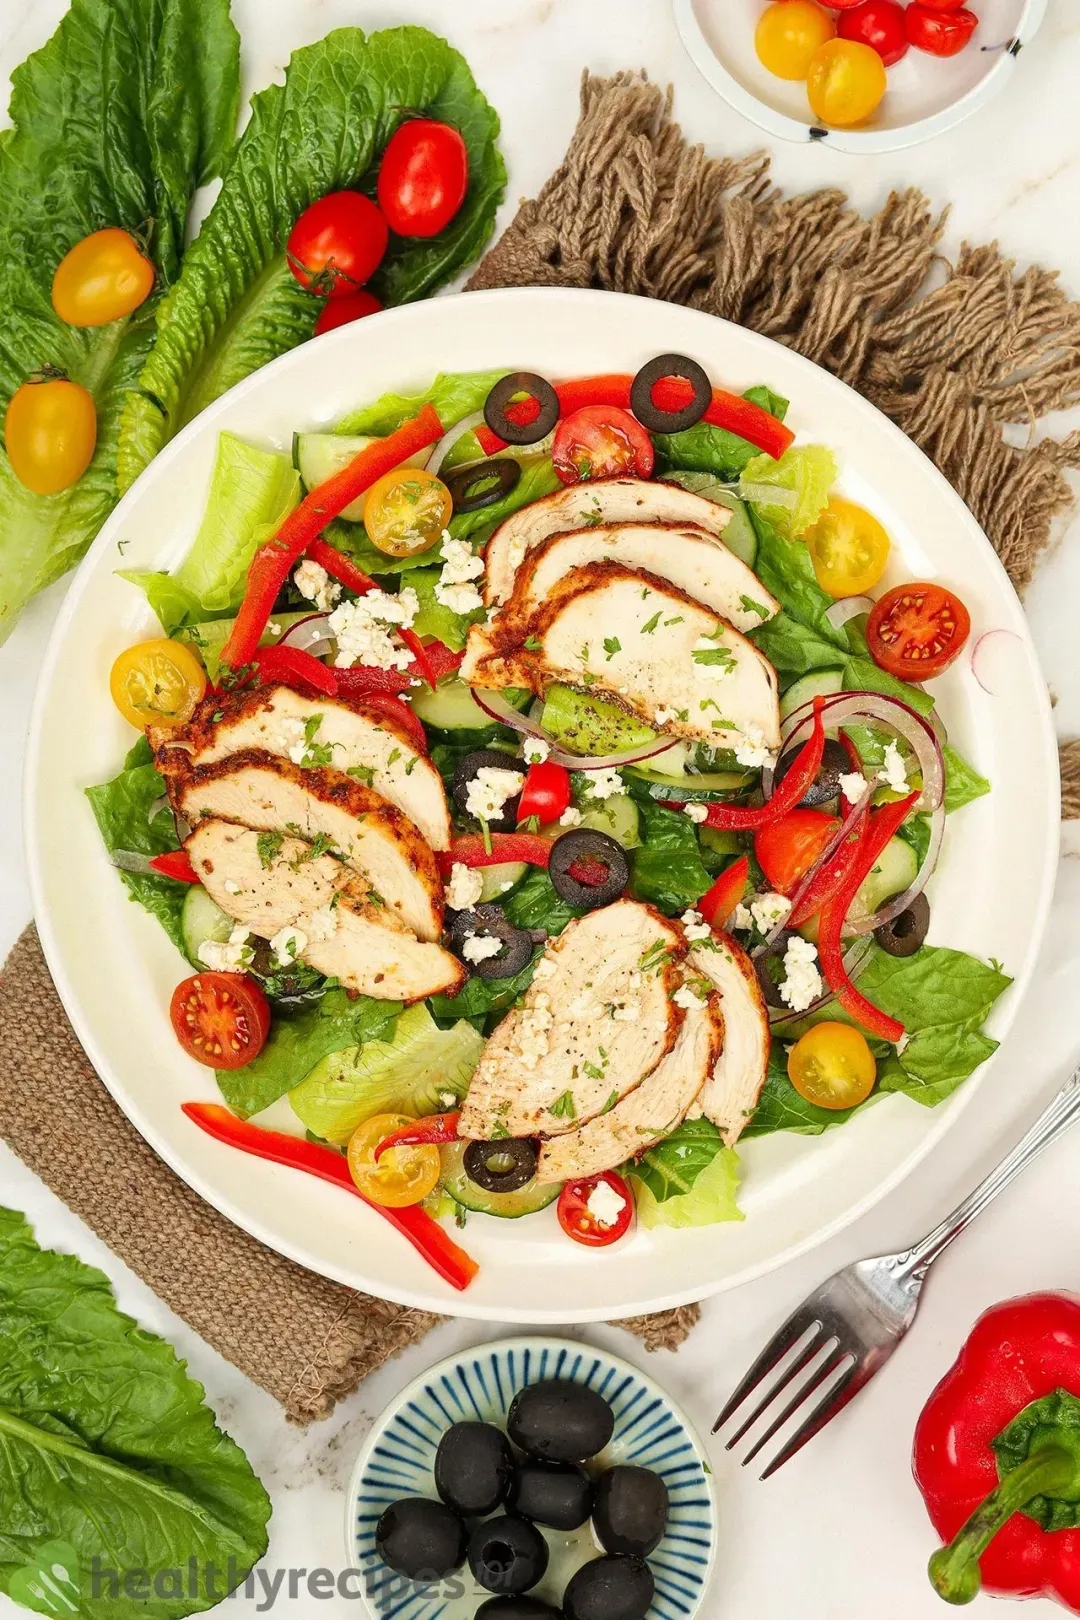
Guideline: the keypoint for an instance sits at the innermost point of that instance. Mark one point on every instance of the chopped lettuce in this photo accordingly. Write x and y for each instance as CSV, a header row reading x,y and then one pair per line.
x,y
667,870
434,618
689,1179
297,1043
455,395
704,448
122,811
806,472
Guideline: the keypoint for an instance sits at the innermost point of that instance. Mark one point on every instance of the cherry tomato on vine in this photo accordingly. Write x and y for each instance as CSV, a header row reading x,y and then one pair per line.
x,y
600,1226
879,24
406,510
220,1019
423,177
601,441
50,430
845,82
788,848
101,279
157,683
942,33
343,311
916,631
788,34
403,1175
337,244
848,548
832,1066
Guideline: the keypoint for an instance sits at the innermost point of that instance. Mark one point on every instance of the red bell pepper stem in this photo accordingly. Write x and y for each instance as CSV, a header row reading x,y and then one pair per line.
x,y
954,1570
293,664
272,562
345,571
176,865
470,851
807,763
727,892
435,1128
426,1236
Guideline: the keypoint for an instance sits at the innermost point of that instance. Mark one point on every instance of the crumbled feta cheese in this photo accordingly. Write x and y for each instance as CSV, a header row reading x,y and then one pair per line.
x,y
292,739
454,587
465,887
585,1006
687,998
605,1204
227,956
458,598
536,750
231,886
364,629
274,629
287,944
695,925
534,1030
314,583
479,947
323,923
802,981
894,772
605,784
751,750
545,968
769,909
852,786
664,717
741,918
489,790
696,813
625,1012
448,1099
570,817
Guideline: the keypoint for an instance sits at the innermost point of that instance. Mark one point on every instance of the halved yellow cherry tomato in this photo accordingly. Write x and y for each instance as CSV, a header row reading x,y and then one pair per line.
x,y
788,34
845,82
832,1066
50,430
848,548
404,1175
101,279
157,683
406,511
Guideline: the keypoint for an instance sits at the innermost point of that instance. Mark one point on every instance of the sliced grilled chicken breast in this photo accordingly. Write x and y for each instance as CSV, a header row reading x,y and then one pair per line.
x,y
347,933
596,1019
371,835
607,500
648,1113
732,1090
636,639
357,737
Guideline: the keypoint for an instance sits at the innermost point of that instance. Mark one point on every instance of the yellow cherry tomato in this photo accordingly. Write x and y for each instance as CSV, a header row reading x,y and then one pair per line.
x,y
848,548
832,1066
101,279
404,1175
406,511
788,34
845,82
157,683
50,431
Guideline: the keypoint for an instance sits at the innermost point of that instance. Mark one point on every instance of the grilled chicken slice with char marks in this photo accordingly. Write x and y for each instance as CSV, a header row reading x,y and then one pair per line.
x,y
731,1093
597,1018
348,934
357,738
319,803
648,1113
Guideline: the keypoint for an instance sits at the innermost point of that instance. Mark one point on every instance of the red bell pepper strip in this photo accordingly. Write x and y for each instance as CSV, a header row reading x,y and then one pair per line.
x,y
399,714
290,664
345,571
727,892
435,1128
176,865
877,830
470,850
364,678
993,1438
426,1236
803,772
828,879
272,562
546,792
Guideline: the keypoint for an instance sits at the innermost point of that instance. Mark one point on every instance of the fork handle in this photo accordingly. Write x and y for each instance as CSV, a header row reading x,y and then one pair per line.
x,y
1053,1122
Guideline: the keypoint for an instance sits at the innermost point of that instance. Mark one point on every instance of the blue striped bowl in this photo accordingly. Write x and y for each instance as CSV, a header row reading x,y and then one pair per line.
x,y
399,1457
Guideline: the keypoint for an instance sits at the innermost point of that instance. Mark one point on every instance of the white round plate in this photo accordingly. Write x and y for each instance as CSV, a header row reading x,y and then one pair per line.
x,y
926,96
115,969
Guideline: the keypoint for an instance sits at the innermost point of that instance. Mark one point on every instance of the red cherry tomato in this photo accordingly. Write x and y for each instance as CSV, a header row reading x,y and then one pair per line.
x,y
546,793
942,33
423,177
601,441
879,24
220,1019
788,848
343,311
578,1220
337,244
915,631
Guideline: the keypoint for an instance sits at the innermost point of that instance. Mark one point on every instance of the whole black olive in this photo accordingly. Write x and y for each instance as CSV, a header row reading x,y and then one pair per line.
x,y
491,922
826,784
630,1511
588,869
482,483
649,414
516,1608
474,1468
537,388
501,1167
770,963
492,759
556,1494
610,1588
421,1539
507,1555
904,935
560,1421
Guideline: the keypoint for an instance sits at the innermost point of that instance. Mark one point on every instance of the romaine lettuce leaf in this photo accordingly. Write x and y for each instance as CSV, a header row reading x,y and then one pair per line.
x,y
704,448
667,870
805,472
434,618
122,811
297,1043
454,394
689,1179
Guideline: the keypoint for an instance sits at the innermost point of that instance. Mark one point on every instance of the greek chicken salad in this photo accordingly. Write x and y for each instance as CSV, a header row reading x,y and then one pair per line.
x,y
545,796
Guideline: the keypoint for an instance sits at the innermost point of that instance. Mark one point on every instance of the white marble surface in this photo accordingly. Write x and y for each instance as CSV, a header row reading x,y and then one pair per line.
x,y
840,1534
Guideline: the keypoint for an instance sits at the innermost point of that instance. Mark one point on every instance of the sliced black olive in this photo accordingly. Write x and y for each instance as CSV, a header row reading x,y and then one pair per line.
x,y
904,935
507,1555
826,784
421,1539
503,1166
631,1509
538,388
474,1468
489,922
482,483
556,1494
516,1608
770,969
560,1421
610,1588
588,868
492,759
670,365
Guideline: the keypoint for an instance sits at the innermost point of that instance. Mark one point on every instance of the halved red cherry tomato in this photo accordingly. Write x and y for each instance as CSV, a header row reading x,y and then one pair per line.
x,y
916,631
546,792
423,177
788,848
601,441
220,1019
879,24
337,244
942,33
578,1220
343,311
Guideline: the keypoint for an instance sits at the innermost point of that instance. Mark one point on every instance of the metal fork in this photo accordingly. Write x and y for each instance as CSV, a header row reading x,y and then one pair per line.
x,y
850,1326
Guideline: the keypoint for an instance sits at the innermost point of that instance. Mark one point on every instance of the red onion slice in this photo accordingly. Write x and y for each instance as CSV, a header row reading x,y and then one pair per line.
x,y
848,607
311,635
495,705
132,860
986,656
451,437
847,707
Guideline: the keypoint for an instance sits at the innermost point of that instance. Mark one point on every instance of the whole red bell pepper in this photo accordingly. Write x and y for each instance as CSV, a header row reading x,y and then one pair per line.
x,y
997,1456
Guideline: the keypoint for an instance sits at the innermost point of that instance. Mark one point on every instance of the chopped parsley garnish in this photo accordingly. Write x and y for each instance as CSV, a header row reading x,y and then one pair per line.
x,y
609,1105
395,755
750,606
315,753
321,844
411,766
532,644
653,960
612,645
563,1107
683,715
268,846
678,619
719,656
376,898
593,1072
647,629
498,1131
363,773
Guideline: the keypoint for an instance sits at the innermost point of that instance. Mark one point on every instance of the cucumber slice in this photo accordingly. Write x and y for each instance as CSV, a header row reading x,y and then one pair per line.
x,y
499,880
894,871
590,725
740,535
721,843
684,789
618,817
819,683
509,1206
318,456
451,707
201,919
